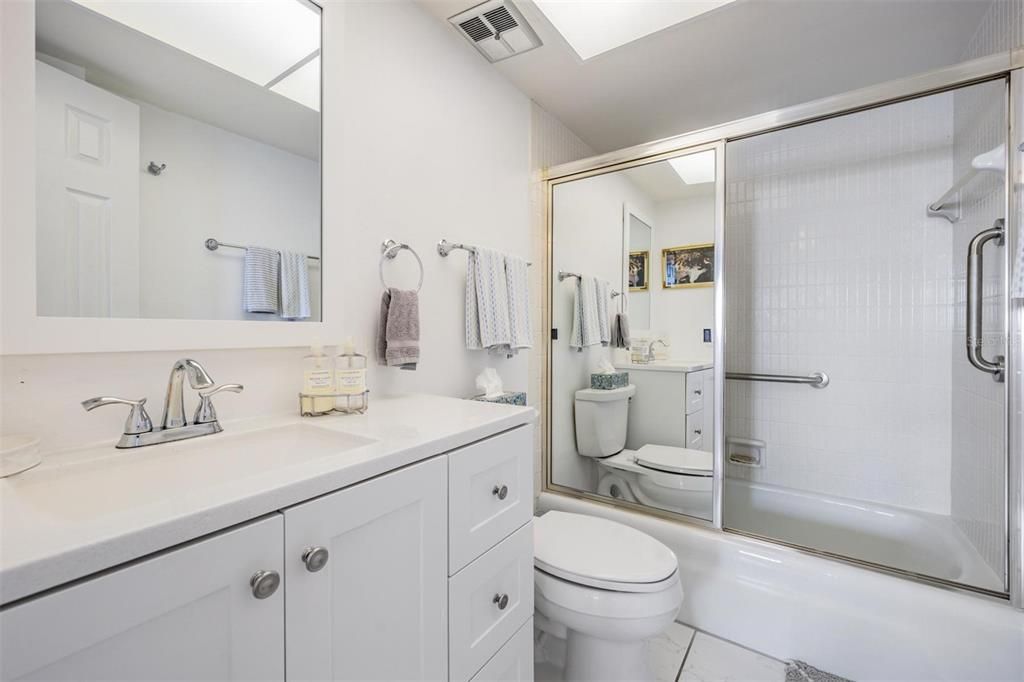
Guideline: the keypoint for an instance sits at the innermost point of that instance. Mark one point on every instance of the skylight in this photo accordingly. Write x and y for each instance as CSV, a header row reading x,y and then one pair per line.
x,y
267,42
595,26
695,169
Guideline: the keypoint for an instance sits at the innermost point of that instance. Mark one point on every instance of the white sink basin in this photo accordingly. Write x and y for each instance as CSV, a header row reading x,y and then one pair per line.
x,y
101,482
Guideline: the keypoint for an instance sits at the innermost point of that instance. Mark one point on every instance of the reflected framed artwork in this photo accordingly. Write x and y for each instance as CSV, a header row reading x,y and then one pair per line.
x,y
639,270
688,266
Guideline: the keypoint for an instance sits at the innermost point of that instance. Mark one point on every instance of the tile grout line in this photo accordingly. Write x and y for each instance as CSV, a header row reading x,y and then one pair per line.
x,y
689,646
729,641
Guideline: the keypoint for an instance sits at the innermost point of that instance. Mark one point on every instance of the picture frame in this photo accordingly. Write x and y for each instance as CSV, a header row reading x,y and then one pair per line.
x,y
639,270
688,267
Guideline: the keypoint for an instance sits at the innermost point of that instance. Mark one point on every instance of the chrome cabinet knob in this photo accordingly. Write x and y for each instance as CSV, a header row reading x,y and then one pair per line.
x,y
315,558
697,391
264,583
500,492
697,431
501,601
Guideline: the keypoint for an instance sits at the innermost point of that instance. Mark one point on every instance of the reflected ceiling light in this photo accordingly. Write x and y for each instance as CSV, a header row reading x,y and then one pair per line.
x,y
595,26
263,41
695,169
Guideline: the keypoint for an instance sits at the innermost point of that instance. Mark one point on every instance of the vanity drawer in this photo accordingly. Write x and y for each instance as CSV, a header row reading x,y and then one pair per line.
x,y
490,495
695,430
514,662
478,625
694,392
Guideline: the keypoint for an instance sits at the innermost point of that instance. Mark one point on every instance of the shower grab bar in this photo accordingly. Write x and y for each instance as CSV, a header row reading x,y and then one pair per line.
x,y
975,283
814,379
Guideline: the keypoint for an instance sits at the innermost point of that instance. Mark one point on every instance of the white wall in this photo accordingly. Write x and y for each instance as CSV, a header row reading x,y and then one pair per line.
x,y
423,139
835,266
681,315
222,185
587,239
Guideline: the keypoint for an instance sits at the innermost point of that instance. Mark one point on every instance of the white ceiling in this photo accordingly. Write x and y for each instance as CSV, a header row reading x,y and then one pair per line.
x,y
661,183
742,59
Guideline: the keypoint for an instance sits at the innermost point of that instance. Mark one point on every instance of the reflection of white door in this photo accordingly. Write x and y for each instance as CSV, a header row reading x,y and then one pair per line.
x,y
87,184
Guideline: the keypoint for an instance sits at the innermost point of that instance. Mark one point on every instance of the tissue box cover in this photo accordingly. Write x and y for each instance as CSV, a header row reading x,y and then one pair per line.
x,y
609,381
506,398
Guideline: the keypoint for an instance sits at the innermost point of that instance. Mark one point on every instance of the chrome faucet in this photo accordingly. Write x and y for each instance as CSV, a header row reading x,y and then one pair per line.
x,y
139,430
649,354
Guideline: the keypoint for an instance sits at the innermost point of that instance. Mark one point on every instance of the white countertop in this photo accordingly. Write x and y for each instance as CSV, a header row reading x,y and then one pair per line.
x,y
89,509
667,366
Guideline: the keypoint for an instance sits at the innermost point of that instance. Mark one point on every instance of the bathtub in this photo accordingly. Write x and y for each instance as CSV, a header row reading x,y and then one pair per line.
x,y
918,542
852,621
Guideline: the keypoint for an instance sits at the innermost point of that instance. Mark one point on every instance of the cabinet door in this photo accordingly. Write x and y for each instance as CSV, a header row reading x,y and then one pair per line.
x,y
377,610
513,662
187,614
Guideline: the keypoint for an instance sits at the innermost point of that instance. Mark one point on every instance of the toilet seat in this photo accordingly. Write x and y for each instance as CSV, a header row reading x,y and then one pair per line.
x,y
596,552
673,460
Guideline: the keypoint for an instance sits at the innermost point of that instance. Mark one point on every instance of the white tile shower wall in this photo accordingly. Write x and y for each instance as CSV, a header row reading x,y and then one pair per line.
x,y
834,266
978,463
551,144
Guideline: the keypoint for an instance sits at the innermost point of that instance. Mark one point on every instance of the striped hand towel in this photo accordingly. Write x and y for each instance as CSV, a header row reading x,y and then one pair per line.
x,y
487,313
294,286
260,280
604,329
518,279
585,330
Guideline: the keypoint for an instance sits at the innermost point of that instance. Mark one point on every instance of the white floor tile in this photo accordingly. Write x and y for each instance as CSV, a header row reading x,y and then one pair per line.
x,y
715,660
666,652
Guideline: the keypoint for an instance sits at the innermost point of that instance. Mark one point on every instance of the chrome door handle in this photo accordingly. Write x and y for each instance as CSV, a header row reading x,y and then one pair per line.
x,y
501,601
315,558
500,492
975,283
264,583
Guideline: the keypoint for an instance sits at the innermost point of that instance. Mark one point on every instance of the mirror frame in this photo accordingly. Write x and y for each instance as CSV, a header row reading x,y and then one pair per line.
x,y
22,330
641,156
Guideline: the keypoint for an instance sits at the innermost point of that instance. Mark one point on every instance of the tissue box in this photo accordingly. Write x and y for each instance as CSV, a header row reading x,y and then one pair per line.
x,y
506,398
609,381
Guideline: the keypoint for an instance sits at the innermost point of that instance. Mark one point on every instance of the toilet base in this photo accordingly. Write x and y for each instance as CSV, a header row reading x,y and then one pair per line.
x,y
589,659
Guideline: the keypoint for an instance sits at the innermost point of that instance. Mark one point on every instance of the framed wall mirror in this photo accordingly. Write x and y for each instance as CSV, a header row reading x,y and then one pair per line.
x,y
178,159
632,358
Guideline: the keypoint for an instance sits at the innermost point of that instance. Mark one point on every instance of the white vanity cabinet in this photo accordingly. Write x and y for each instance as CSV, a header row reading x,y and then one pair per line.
x,y
377,609
187,614
672,407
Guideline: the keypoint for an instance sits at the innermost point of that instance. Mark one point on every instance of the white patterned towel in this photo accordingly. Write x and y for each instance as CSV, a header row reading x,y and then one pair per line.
x,y
604,329
294,286
585,329
1017,283
518,279
487,316
260,280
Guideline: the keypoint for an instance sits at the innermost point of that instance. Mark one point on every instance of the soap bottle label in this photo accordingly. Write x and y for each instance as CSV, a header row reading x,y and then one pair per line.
x,y
318,381
351,381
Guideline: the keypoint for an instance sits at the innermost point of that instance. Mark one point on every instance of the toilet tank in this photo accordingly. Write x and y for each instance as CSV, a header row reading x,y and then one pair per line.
x,y
601,417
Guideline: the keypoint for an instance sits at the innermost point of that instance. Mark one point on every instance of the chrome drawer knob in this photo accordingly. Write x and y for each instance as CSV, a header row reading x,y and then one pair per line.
x,y
697,431
315,558
501,600
698,392
500,492
264,583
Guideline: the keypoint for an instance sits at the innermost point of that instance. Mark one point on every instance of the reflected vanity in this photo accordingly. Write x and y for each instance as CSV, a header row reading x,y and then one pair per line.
x,y
155,140
650,229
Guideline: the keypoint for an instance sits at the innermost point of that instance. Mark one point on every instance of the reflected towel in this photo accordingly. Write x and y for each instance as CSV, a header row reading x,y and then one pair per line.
x,y
1017,283
585,329
604,290
260,277
487,305
294,286
620,331
398,329
517,278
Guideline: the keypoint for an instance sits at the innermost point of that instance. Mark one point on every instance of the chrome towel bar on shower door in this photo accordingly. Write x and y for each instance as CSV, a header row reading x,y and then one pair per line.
x,y
814,379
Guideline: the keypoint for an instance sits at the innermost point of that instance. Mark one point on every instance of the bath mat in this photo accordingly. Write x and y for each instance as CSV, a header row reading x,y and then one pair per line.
x,y
798,671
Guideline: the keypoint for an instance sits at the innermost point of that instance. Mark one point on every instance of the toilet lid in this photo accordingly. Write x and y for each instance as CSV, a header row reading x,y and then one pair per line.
x,y
588,550
675,460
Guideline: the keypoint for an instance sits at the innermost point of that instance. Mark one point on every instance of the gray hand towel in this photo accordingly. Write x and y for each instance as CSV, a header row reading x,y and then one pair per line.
x,y
260,279
398,329
620,331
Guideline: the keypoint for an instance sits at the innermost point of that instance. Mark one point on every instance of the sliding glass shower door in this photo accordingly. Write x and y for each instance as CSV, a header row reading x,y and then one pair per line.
x,y
865,414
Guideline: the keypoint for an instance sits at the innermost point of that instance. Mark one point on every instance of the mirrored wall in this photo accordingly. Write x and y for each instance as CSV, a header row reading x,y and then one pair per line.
x,y
632,364
178,159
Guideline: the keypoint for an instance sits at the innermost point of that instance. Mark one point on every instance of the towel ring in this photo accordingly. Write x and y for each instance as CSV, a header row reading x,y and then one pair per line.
x,y
389,250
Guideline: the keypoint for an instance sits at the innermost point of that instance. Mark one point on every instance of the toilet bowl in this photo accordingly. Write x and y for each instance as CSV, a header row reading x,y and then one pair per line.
x,y
671,478
602,588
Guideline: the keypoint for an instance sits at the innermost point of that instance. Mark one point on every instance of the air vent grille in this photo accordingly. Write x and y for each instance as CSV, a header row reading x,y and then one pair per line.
x,y
476,29
500,19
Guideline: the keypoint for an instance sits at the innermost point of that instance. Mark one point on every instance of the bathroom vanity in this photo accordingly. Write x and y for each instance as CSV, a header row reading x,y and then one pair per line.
x,y
673,405
392,545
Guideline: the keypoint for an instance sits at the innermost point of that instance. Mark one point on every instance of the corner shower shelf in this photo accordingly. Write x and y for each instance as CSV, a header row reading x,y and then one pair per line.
x,y
948,205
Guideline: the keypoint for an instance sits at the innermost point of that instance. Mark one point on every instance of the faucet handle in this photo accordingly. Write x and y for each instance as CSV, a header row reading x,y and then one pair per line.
x,y
205,412
138,421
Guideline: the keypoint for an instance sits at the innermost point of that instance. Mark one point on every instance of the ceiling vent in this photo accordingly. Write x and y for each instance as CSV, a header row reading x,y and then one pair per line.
x,y
497,29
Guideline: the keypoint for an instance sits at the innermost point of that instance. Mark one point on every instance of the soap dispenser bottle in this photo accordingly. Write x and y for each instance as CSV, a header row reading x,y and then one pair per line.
x,y
317,380
350,378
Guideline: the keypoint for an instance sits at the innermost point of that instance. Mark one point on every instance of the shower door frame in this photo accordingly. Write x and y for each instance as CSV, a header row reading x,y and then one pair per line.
x,y
1006,65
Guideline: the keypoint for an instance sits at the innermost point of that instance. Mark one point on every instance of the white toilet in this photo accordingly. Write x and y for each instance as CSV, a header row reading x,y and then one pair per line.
x,y
668,477
601,590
